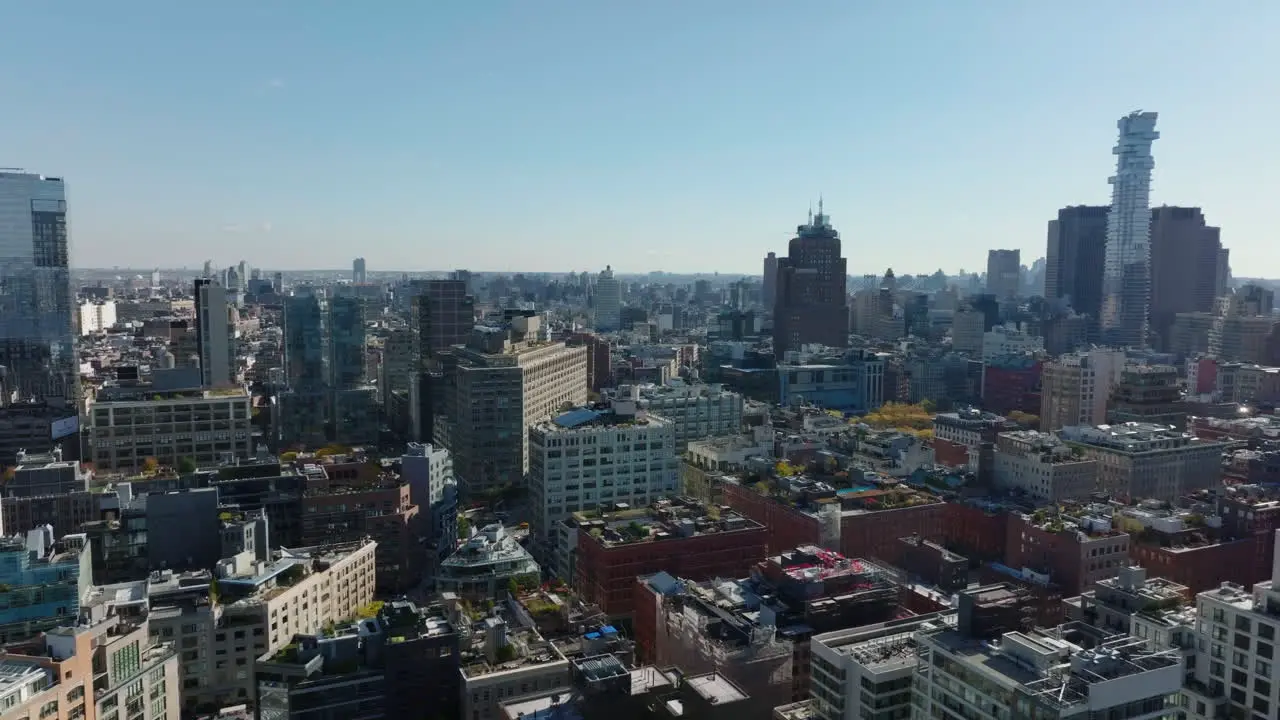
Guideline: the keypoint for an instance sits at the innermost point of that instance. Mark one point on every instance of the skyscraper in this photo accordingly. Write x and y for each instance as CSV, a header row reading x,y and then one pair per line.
x,y
346,343
305,340
1185,253
352,406
770,289
358,274
1224,273
608,302
39,374
37,336
1126,280
305,407
1075,257
215,334
1004,273
811,305
443,314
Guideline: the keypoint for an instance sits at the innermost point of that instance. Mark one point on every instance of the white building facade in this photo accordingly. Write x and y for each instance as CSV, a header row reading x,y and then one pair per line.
x,y
586,458
1126,278
696,411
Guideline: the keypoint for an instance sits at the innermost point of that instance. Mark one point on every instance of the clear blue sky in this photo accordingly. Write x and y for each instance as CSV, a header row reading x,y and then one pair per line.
x,y
685,135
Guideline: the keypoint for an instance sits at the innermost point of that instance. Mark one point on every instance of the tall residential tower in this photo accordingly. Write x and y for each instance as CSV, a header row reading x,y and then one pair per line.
x,y
215,334
608,302
1126,280
770,283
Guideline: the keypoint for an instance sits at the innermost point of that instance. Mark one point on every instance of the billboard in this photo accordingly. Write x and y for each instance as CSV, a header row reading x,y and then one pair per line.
x,y
64,427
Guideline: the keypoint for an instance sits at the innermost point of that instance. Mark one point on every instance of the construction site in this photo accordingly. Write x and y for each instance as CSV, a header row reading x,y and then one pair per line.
x,y
755,631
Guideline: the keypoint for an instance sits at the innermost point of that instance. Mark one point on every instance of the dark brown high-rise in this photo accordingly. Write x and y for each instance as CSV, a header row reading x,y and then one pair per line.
x,y
811,305
1185,255
1075,258
444,314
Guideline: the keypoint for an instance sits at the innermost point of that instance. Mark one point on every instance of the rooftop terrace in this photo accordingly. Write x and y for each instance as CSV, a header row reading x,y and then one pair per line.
x,y
1133,437
489,546
663,520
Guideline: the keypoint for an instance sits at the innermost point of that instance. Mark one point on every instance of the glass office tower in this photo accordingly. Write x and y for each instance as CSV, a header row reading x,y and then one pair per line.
x,y
37,340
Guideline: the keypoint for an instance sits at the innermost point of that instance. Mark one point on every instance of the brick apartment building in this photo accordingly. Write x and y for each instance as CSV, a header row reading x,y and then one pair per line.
x,y
976,529
1074,551
786,527
871,520
365,503
1202,566
678,537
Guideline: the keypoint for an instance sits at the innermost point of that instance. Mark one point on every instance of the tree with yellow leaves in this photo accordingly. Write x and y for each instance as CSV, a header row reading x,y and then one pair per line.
x,y
900,416
1025,419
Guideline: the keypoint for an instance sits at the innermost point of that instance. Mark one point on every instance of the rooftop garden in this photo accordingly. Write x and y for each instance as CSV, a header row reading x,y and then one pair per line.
x,y
369,610
286,654
538,605
628,514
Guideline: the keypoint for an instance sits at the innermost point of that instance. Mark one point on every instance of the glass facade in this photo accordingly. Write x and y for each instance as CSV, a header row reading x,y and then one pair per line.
x,y
1126,279
346,342
37,340
304,343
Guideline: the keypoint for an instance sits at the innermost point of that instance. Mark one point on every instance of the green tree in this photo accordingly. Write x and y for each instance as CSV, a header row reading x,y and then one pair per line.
x,y
186,465
513,587
464,527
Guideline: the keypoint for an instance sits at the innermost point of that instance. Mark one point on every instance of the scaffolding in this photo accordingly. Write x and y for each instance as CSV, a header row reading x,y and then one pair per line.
x,y
699,637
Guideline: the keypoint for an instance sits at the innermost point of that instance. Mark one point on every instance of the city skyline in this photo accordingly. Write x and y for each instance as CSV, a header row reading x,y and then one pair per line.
x,y
478,136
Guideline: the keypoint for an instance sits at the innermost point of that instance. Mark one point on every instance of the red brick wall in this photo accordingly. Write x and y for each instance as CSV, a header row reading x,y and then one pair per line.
x,y
875,534
1005,390
644,621
1041,550
607,575
951,454
787,527
974,532
1202,568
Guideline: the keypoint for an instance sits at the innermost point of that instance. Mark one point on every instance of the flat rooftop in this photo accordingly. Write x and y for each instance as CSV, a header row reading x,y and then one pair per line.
x,y
663,520
1061,664
715,688
1232,594
803,710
